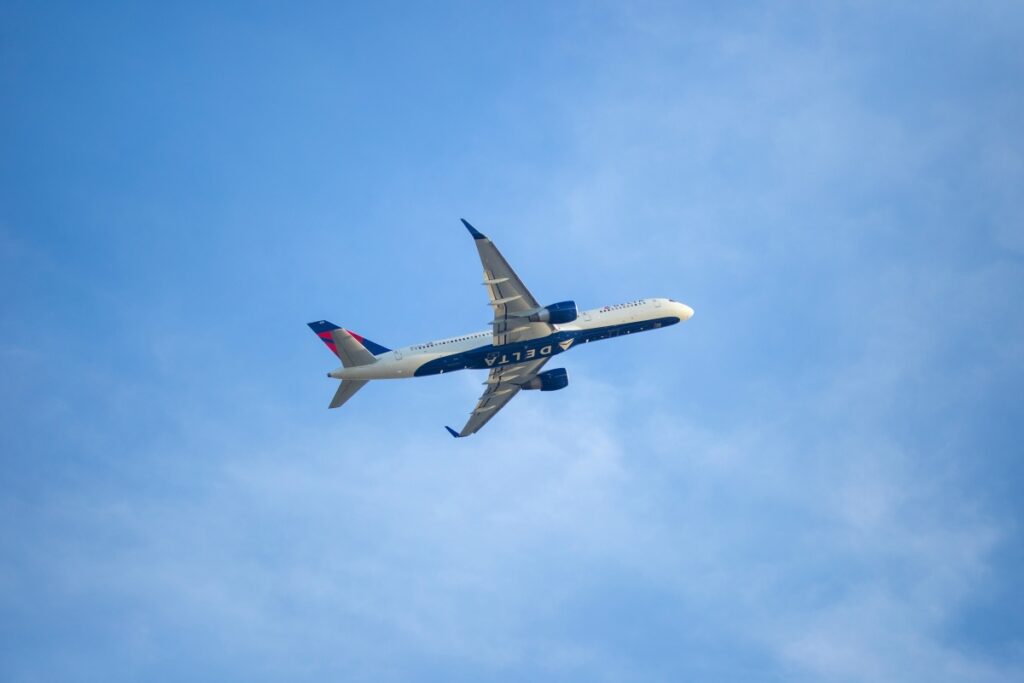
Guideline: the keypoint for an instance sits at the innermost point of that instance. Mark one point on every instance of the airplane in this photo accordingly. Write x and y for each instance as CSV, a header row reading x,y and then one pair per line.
x,y
523,337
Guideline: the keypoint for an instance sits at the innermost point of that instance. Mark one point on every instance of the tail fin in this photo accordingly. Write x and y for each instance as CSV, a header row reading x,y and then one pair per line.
x,y
324,330
352,349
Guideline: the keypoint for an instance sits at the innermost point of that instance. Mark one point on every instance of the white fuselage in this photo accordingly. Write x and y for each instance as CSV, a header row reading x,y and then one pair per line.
x,y
467,351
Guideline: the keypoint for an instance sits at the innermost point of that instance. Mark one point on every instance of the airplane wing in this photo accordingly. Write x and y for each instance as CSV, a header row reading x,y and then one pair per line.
x,y
502,385
510,299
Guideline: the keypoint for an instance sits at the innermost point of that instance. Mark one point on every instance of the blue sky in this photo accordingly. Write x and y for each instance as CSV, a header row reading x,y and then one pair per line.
x,y
816,478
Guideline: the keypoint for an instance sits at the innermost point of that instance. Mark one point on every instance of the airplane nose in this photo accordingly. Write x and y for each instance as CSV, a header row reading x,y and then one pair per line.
x,y
685,312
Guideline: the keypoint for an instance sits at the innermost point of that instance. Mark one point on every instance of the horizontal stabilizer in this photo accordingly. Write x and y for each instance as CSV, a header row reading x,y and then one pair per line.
x,y
349,350
347,389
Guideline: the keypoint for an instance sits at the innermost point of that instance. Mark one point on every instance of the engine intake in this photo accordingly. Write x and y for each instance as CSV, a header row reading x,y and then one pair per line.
x,y
550,380
556,314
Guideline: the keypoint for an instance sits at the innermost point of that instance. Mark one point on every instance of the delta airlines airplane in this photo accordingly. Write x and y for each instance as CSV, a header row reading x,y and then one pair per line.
x,y
524,336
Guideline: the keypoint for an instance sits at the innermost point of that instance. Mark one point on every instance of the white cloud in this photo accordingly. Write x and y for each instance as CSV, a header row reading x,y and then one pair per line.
x,y
835,553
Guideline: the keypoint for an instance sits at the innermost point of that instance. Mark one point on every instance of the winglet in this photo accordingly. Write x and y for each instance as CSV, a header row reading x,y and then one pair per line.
x,y
477,235
450,430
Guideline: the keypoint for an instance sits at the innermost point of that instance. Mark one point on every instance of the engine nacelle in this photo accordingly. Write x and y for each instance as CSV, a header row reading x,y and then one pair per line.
x,y
556,314
550,380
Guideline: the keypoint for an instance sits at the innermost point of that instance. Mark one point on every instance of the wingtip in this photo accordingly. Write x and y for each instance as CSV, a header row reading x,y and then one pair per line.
x,y
452,431
477,235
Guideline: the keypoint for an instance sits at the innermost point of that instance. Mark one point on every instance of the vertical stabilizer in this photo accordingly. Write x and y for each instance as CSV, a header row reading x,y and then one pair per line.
x,y
352,349
325,329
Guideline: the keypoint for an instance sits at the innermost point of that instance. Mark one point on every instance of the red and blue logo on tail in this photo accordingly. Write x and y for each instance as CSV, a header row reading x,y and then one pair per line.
x,y
323,329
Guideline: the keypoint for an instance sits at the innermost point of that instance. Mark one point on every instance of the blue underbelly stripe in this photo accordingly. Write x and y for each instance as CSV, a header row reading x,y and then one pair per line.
x,y
490,356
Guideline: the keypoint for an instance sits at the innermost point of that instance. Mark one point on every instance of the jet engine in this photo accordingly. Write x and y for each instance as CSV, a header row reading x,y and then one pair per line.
x,y
550,380
556,314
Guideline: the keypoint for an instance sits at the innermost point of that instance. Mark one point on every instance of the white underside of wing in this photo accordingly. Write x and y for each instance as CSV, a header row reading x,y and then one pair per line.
x,y
502,386
511,301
